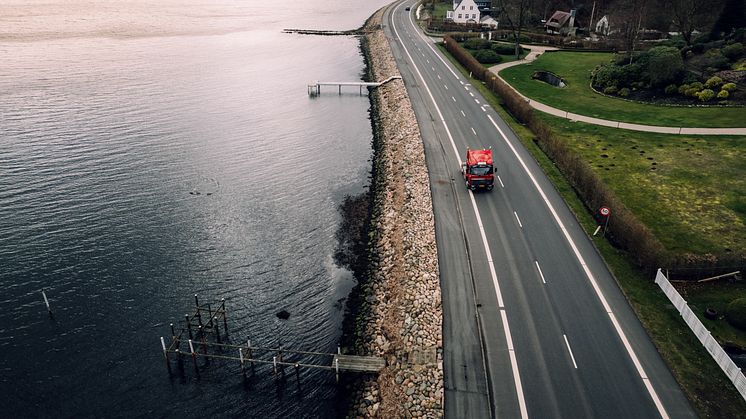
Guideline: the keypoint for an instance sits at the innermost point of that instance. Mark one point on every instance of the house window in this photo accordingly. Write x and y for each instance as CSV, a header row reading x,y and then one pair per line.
x,y
463,7
459,15
471,7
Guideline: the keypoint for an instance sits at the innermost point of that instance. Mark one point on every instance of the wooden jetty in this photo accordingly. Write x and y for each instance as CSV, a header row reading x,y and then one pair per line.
x,y
201,337
314,89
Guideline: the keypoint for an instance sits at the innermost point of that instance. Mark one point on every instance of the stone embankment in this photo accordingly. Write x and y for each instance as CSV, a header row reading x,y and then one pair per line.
x,y
403,318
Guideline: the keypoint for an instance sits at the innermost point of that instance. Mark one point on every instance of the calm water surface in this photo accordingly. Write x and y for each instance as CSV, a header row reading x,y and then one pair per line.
x,y
151,150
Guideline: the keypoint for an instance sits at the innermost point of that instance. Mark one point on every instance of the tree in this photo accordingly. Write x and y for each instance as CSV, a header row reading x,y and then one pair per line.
x,y
731,17
630,15
515,12
689,15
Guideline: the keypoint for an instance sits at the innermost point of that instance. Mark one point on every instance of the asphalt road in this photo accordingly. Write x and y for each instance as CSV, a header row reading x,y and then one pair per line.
x,y
534,323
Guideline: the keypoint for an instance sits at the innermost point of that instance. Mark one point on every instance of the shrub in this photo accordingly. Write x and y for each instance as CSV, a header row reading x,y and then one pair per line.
x,y
689,78
624,92
697,85
671,89
723,94
663,65
692,91
713,81
706,95
611,90
505,49
476,43
729,87
733,51
683,88
736,313
487,56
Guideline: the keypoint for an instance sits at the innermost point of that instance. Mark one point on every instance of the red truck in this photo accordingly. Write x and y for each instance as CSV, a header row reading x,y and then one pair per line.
x,y
478,170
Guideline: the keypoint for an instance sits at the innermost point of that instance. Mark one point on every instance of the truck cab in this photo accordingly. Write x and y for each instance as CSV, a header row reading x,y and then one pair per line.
x,y
478,169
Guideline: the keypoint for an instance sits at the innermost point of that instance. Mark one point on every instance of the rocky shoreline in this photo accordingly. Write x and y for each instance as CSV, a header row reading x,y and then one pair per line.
x,y
401,320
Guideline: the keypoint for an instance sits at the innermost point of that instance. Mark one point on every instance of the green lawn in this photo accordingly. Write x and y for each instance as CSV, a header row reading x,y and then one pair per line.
x,y
578,97
690,191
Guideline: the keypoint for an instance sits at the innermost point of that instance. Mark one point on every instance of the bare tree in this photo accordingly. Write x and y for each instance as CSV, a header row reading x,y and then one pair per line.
x,y
515,12
689,15
630,15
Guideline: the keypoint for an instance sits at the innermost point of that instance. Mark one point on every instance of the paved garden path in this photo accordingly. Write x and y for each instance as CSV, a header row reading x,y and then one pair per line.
x,y
536,51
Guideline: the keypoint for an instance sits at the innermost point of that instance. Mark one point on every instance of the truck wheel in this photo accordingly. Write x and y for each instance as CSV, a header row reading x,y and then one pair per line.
x,y
489,188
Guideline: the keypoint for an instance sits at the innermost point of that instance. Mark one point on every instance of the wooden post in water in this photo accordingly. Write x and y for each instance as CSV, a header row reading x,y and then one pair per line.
x,y
202,337
194,354
251,355
196,301
274,365
179,361
189,326
225,317
209,313
336,368
165,352
240,355
297,374
46,302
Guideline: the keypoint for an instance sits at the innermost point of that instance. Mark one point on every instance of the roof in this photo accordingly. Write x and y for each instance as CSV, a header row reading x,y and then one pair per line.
x,y
558,19
479,156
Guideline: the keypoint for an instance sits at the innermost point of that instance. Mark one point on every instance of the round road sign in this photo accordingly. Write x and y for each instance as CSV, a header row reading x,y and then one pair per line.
x,y
605,211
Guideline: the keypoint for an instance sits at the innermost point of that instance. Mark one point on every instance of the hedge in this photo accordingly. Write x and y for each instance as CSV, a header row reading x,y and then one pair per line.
x,y
625,231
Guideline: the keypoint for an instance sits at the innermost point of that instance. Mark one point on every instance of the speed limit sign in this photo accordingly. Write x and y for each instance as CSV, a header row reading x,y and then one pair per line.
x,y
605,211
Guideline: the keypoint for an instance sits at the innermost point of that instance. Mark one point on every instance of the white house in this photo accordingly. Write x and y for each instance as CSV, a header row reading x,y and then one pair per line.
x,y
464,11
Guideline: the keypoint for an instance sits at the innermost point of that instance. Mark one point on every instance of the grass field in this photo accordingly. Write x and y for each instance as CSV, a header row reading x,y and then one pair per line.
x,y
578,97
708,389
690,191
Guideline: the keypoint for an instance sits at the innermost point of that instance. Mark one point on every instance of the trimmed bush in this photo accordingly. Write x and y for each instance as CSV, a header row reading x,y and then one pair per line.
x,y
611,90
683,88
723,94
487,56
736,313
729,87
505,49
476,43
664,64
713,81
706,95
697,85
733,51
692,92
624,92
671,89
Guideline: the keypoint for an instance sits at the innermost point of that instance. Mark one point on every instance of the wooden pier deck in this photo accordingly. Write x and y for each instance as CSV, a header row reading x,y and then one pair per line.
x,y
356,363
314,89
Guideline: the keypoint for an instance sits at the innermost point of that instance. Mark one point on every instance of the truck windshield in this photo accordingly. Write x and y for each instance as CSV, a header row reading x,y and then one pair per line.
x,y
480,170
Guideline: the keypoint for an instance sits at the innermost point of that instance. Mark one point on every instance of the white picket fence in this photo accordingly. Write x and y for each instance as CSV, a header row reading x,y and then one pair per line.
x,y
716,351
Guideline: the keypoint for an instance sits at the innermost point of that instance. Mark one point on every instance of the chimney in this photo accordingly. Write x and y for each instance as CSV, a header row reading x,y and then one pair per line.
x,y
572,19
